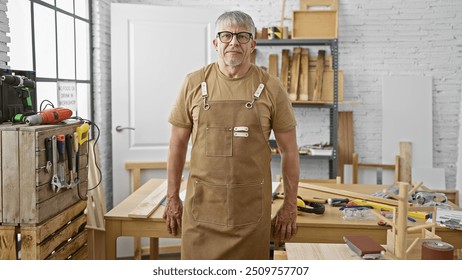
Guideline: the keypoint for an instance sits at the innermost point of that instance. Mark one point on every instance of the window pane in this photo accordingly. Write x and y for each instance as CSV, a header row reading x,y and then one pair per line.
x,y
66,5
45,42
82,49
46,91
83,101
51,2
66,54
20,47
81,8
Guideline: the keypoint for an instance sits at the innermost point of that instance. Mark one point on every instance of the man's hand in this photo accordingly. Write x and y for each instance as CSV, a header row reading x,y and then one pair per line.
x,y
285,226
173,214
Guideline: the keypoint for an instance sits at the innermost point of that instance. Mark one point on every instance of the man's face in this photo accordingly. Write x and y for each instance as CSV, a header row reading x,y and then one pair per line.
x,y
234,53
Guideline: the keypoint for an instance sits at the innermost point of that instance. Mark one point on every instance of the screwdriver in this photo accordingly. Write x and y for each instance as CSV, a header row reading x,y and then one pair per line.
x,y
48,154
61,149
70,158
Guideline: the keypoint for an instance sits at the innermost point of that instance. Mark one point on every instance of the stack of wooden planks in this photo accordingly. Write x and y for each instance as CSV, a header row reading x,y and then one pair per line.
x,y
306,78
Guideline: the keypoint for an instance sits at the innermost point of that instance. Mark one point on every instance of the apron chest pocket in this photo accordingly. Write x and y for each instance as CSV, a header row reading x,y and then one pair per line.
x,y
227,205
219,142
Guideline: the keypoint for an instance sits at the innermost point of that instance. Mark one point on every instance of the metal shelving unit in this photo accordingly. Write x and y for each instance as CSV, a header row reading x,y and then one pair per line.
x,y
333,107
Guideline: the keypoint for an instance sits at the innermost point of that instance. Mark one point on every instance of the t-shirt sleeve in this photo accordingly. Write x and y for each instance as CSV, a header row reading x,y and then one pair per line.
x,y
283,118
180,114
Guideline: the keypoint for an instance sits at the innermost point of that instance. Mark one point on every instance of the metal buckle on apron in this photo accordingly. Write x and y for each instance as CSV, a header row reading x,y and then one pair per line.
x,y
256,95
241,128
205,95
241,134
241,131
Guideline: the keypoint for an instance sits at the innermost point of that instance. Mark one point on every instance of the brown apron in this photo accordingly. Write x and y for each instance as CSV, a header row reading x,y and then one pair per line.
x,y
227,213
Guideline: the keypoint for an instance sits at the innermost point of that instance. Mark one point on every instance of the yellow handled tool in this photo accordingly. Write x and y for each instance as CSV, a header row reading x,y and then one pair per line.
x,y
82,132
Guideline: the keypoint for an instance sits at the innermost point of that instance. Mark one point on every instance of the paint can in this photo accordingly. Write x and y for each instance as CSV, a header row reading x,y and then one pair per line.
x,y
437,250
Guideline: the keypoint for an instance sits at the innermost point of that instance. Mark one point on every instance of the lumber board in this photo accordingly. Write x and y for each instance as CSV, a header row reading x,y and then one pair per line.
x,y
273,64
345,148
405,162
294,74
327,93
304,70
285,68
146,207
348,193
313,61
96,204
319,75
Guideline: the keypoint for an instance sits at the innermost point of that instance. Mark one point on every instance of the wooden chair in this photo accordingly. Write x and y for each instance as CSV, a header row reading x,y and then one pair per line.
x,y
337,180
356,166
135,169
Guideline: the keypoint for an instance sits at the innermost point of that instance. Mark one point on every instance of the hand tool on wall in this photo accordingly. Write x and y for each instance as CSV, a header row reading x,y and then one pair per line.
x,y
61,151
73,180
49,116
77,156
82,132
48,154
80,137
55,182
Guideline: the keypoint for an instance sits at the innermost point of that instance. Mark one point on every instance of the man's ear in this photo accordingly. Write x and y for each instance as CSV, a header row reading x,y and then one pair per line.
x,y
253,45
215,43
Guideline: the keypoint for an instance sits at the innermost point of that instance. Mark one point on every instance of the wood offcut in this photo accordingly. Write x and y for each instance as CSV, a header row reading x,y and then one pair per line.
x,y
150,203
319,75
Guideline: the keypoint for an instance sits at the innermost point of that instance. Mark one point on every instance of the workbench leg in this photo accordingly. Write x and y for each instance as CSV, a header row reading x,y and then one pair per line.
x,y
113,231
153,248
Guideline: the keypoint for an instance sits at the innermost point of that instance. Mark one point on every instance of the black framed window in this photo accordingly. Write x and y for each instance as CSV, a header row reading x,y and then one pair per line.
x,y
53,39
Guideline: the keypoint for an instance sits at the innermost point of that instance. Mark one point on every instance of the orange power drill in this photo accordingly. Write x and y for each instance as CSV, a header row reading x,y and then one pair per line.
x,y
49,116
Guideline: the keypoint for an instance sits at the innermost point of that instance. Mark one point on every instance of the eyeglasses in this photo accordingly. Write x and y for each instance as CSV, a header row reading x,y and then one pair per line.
x,y
242,37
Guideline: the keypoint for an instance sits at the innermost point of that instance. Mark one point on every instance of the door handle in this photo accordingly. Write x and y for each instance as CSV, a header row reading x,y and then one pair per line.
x,y
119,128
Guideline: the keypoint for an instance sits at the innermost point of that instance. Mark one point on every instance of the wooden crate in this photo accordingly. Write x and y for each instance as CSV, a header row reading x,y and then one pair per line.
x,y
27,196
311,22
60,238
8,242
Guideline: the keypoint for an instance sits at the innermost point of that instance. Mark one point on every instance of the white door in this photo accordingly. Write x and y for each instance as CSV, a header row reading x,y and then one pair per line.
x,y
152,49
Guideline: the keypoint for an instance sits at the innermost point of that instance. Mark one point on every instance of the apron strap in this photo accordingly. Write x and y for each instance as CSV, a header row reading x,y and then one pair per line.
x,y
262,77
205,95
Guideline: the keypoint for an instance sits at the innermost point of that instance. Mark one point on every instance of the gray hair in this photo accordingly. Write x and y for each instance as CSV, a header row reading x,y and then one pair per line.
x,y
236,18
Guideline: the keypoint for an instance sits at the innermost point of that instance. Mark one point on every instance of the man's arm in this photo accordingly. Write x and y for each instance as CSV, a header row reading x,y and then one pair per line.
x,y
285,223
176,159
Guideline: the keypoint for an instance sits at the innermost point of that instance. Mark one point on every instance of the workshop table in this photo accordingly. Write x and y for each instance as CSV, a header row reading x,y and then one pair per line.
x,y
329,227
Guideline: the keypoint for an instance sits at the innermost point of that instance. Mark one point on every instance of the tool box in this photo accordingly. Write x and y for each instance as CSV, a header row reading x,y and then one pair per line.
x,y
29,207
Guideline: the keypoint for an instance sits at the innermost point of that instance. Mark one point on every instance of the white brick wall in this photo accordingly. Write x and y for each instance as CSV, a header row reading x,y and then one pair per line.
x,y
102,89
376,38
4,36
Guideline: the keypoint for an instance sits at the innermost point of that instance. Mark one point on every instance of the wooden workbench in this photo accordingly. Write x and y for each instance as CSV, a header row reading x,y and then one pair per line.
x,y
327,228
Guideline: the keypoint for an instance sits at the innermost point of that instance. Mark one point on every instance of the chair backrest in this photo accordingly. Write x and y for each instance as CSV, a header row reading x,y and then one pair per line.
x,y
135,169
376,171
337,180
